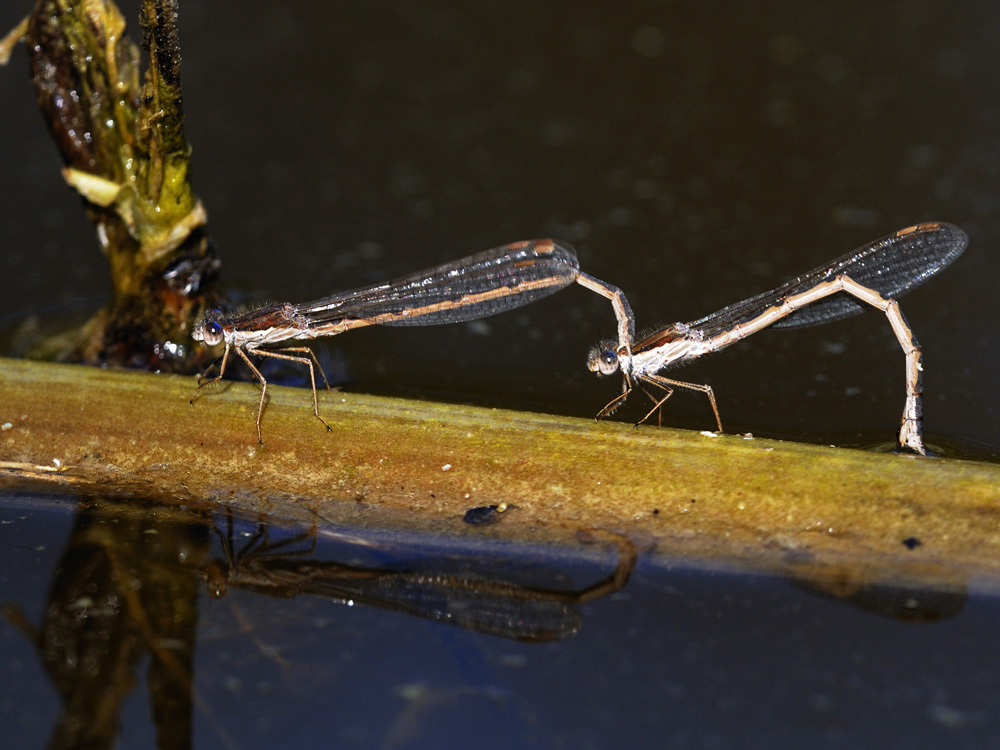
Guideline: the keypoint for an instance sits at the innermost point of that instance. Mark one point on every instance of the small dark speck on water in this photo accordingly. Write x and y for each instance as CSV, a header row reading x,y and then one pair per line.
x,y
485,514
911,542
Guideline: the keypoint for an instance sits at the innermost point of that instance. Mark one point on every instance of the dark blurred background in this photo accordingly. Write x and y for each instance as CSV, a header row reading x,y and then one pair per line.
x,y
694,154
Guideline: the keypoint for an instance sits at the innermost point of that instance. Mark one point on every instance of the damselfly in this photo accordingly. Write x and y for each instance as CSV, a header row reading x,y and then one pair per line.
x,y
474,287
871,275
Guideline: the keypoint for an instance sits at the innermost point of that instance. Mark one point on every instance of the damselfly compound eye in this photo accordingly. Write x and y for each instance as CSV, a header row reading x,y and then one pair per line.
x,y
213,333
603,359
209,330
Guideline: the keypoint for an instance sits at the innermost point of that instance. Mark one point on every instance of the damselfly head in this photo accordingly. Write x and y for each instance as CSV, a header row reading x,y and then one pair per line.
x,y
603,358
209,329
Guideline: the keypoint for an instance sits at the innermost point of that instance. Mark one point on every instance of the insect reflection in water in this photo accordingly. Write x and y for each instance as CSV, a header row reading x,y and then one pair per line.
x,y
444,590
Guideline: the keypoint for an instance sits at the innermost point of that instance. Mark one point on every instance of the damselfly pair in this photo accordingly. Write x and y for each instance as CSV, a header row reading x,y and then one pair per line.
x,y
513,275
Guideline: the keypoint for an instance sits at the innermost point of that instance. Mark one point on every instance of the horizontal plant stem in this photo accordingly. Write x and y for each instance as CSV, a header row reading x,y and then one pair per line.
x,y
716,500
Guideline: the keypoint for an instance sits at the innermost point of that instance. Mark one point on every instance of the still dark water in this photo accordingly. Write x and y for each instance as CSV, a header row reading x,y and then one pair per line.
x,y
348,639
694,154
